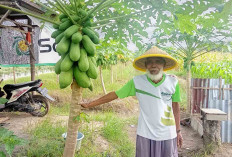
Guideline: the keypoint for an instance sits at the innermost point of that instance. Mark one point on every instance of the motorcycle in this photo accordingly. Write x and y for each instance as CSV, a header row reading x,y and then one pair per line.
x,y
20,97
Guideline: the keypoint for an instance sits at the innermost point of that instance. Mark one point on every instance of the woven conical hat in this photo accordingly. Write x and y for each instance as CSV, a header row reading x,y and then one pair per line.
x,y
139,62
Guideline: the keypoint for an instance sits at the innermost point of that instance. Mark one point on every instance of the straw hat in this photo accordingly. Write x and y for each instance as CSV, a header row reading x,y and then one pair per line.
x,y
139,62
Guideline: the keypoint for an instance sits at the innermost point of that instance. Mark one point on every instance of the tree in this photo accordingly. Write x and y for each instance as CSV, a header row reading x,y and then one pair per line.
x,y
111,21
190,29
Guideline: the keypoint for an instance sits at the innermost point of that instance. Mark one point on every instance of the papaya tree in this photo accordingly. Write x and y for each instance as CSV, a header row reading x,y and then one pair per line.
x,y
109,49
102,64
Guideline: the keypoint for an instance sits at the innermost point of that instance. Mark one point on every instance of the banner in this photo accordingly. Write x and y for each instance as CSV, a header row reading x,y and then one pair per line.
x,y
13,48
14,51
47,52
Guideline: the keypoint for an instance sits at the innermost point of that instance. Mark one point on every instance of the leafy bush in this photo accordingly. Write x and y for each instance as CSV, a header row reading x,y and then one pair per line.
x,y
9,140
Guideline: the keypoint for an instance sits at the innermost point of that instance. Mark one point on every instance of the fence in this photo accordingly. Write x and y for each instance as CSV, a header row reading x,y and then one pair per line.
x,y
214,93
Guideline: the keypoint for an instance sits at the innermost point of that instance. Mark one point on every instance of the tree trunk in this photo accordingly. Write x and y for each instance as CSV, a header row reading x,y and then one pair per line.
x,y
57,78
112,74
31,49
14,75
102,81
189,106
75,109
116,76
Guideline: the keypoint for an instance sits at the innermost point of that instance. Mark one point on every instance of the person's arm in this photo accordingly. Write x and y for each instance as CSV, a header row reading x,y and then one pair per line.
x,y
176,112
104,99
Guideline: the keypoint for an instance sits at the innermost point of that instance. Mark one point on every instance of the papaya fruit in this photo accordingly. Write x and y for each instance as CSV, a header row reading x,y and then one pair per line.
x,y
66,78
75,18
65,25
83,62
87,23
76,37
59,37
63,46
66,63
81,78
96,33
62,16
88,45
64,19
82,12
55,26
92,71
74,52
91,86
57,66
70,31
94,61
91,35
56,33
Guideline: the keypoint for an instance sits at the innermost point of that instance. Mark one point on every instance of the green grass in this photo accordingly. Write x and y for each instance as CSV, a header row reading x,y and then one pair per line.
x,y
113,131
45,140
62,110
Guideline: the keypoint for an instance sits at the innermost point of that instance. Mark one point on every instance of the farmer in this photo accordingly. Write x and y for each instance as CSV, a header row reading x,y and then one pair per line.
x,y
158,132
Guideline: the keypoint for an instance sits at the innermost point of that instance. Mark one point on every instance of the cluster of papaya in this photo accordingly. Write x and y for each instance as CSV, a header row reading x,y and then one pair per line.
x,y
76,46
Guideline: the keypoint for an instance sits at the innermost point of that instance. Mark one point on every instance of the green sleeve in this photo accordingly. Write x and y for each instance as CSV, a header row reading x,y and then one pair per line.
x,y
176,95
127,90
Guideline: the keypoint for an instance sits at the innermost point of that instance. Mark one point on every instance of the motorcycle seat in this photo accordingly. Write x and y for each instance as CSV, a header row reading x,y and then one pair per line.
x,y
10,87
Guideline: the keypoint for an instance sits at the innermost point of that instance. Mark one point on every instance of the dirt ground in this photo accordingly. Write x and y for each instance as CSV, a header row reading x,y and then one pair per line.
x,y
20,122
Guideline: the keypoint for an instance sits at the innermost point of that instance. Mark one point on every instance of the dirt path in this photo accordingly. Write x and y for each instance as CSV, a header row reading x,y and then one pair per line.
x,y
19,122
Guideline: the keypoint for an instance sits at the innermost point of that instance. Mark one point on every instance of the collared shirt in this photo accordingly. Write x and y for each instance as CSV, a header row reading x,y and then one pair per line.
x,y
156,120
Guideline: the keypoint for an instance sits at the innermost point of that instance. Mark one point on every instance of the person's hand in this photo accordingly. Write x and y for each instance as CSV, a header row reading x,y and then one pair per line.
x,y
179,139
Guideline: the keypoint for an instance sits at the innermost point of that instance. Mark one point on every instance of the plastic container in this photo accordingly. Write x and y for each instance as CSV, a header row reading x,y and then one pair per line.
x,y
80,136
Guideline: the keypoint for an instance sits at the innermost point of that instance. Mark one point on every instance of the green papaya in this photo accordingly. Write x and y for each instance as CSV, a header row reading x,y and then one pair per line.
x,y
91,86
83,62
57,66
92,71
64,19
55,26
63,46
81,78
66,63
96,33
74,52
88,45
76,37
91,35
87,23
56,33
75,18
62,16
70,31
94,61
66,78
82,12
65,25
59,37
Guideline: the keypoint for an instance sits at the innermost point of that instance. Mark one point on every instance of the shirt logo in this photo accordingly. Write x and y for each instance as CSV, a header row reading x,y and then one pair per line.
x,y
165,94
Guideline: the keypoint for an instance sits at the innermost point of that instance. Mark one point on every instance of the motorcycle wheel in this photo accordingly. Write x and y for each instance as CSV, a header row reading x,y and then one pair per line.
x,y
42,104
